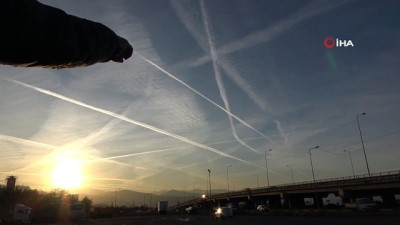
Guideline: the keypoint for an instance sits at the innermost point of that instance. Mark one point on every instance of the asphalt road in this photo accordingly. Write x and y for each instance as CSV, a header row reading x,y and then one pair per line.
x,y
243,220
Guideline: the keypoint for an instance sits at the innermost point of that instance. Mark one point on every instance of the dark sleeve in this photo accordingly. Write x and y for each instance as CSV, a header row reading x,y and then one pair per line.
x,y
40,35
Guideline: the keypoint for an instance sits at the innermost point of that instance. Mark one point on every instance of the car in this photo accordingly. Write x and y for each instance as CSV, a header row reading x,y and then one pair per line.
x,y
262,208
223,212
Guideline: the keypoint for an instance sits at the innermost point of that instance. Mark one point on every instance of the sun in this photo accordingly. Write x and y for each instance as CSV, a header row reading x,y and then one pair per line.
x,y
67,174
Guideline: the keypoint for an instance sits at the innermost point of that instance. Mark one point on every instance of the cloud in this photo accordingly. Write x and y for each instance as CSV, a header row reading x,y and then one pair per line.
x,y
124,118
282,132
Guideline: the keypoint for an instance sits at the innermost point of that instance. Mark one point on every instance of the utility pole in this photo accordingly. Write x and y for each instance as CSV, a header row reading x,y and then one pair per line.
x,y
362,142
266,165
227,176
312,168
209,180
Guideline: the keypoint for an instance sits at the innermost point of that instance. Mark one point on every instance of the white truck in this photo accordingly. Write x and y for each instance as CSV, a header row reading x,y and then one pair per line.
x,y
332,200
20,214
77,211
162,207
308,201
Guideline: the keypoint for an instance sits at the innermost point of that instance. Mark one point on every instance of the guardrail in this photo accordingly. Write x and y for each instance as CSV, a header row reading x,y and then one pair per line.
x,y
357,177
375,178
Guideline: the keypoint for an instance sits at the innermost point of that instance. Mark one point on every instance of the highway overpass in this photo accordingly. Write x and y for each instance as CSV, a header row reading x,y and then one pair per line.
x,y
386,185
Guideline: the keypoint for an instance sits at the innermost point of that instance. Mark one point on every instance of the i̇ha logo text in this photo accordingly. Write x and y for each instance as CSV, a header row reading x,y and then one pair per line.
x,y
331,42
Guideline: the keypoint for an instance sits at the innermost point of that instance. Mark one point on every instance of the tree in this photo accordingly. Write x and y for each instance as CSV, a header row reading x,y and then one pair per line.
x,y
87,202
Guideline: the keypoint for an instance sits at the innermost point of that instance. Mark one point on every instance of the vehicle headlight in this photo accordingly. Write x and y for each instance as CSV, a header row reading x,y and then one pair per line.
x,y
219,210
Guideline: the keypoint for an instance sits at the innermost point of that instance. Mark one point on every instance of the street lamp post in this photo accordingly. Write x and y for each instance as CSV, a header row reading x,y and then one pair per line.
x,y
209,181
115,200
312,169
193,189
266,165
227,176
257,180
351,162
291,171
362,142
151,198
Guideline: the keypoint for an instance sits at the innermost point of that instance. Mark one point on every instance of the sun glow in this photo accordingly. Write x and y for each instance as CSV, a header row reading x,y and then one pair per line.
x,y
67,174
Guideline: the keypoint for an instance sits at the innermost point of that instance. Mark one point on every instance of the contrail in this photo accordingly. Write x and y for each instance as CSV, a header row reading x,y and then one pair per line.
x,y
187,19
162,150
250,40
218,76
136,154
29,143
282,132
203,96
126,119
270,33
233,74
30,174
54,149
106,178
247,88
25,142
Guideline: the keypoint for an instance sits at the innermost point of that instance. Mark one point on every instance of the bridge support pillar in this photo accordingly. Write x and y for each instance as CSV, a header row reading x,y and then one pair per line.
x,y
285,200
282,196
341,192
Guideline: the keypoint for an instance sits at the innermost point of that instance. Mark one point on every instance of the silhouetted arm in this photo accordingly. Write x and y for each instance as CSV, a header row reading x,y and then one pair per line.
x,y
35,34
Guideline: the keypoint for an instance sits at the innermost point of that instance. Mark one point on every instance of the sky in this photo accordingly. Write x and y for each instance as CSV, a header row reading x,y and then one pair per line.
x,y
212,85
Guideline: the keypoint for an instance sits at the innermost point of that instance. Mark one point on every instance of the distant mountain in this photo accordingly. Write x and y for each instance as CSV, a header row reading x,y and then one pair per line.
x,y
134,198
122,197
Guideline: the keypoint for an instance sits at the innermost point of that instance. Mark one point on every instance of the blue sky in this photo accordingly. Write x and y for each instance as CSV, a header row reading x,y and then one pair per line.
x,y
212,84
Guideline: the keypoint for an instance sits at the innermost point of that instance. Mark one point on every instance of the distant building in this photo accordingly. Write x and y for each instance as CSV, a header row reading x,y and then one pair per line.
x,y
11,181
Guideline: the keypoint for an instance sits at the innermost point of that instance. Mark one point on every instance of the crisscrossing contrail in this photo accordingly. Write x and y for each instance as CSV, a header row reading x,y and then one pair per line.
x,y
126,119
203,96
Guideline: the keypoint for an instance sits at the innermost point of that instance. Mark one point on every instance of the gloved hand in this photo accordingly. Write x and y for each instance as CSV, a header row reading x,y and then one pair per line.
x,y
125,51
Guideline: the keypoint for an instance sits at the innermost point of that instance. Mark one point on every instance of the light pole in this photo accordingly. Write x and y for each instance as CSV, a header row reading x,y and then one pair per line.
x,y
266,165
291,171
312,167
351,161
313,175
227,176
193,189
257,180
362,141
151,198
115,200
209,180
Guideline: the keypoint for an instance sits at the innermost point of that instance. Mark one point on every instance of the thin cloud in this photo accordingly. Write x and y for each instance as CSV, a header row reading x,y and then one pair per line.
x,y
124,118
282,132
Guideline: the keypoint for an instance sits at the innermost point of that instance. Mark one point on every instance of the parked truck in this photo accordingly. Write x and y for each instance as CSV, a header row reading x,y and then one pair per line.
x,y
162,207
19,214
332,200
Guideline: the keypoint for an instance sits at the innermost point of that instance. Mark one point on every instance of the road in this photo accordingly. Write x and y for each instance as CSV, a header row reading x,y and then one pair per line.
x,y
243,220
